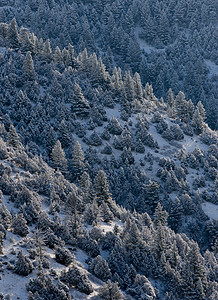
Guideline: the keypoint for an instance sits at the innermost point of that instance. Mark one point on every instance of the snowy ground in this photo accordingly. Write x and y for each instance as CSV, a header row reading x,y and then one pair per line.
x,y
143,45
211,210
213,68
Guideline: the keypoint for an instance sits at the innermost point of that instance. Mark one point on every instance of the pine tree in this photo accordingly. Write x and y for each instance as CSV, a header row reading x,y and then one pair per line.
x,y
77,160
105,213
181,105
19,225
114,126
47,51
99,267
58,157
197,122
80,105
129,87
152,194
13,138
65,137
138,87
23,265
170,98
160,215
111,291
201,110
194,279
13,35
26,40
133,239
28,67
101,187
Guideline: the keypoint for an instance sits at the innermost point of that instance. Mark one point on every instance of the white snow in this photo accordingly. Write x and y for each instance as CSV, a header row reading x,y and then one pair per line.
x,y
3,50
213,68
211,210
143,45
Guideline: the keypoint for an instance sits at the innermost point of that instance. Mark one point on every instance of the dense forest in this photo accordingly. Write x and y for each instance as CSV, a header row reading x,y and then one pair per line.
x,y
170,43
108,150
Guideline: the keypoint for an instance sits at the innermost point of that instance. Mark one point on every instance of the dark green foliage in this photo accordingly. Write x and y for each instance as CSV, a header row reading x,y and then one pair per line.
x,y
45,288
101,187
80,106
110,291
23,265
99,267
74,277
19,225
63,256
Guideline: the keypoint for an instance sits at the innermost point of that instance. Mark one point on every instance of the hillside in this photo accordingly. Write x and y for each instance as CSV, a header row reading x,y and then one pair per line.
x,y
170,43
108,192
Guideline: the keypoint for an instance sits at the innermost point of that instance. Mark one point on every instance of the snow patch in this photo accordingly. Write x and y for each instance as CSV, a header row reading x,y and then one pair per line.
x,y
143,45
213,68
211,210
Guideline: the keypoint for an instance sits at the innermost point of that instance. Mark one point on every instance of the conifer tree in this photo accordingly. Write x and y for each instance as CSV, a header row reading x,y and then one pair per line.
x,y
101,187
80,105
170,98
133,239
19,225
23,265
58,157
13,35
65,136
197,122
160,215
201,110
47,51
77,160
13,138
28,67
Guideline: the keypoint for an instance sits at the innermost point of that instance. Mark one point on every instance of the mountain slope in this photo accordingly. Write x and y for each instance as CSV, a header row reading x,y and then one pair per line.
x,y
95,166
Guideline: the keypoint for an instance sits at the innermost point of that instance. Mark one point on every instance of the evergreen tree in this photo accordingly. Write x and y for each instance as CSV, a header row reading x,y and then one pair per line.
x,y
77,160
99,267
110,291
170,98
194,280
47,51
58,157
19,225
133,239
23,265
28,67
105,213
101,187
152,194
80,105
201,110
13,35
197,122
181,105
13,138
65,137
160,215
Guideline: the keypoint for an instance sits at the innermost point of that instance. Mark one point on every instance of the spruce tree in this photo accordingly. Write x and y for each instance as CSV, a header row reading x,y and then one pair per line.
x,y
58,157
77,160
101,187
19,225
160,215
197,122
13,35
13,138
28,67
23,265
80,105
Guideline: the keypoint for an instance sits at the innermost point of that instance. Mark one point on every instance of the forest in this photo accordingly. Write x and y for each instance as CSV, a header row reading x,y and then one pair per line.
x,y
108,150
